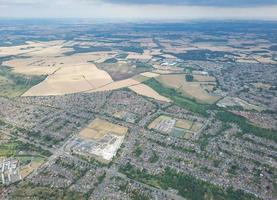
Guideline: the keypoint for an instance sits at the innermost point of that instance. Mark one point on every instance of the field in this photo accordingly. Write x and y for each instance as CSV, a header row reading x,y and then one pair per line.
x,y
14,85
150,74
196,126
146,55
100,139
69,72
189,89
202,78
181,128
237,102
157,121
145,90
29,168
184,124
179,99
140,78
66,74
99,128
71,80
120,70
262,85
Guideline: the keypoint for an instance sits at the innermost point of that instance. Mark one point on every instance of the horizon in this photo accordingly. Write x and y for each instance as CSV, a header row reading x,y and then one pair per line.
x,y
140,10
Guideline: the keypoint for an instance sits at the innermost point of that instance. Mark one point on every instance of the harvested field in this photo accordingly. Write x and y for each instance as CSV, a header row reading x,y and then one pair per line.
x,y
150,74
66,74
71,80
190,89
202,78
145,90
116,85
99,128
31,48
137,56
46,65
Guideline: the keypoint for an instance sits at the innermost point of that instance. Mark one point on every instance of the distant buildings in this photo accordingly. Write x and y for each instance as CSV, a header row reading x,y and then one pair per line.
x,y
10,172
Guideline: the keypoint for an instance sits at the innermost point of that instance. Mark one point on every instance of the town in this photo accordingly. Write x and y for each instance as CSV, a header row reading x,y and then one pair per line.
x,y
131,112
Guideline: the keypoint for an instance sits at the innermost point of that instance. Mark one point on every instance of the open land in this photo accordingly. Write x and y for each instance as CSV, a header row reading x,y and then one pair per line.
x,y
99,128
190,89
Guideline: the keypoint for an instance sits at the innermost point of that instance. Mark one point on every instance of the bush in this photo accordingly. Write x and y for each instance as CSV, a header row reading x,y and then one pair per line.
x,y
189,77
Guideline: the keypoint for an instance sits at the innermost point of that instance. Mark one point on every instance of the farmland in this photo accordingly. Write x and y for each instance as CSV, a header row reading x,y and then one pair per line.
x,y
189,89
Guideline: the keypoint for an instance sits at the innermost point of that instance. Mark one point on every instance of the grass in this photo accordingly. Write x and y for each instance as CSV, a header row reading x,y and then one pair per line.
x,y
178,98
13,147
14,85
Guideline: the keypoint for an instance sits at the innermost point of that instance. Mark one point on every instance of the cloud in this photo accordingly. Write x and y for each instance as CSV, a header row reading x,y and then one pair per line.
x,y
233,3
157,10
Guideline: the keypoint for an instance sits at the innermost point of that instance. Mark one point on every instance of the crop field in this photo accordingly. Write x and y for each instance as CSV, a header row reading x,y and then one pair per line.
x,y
147,91
120,70
150,74
189,89
71,80
66,74
99,128
117,85
146,55
202,78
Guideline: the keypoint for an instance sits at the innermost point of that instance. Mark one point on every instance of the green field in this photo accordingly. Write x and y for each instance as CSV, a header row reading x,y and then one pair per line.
x,y
14,85
178,98
15,148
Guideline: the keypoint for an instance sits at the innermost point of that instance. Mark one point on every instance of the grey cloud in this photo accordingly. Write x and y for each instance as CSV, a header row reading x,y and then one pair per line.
x,y
233,3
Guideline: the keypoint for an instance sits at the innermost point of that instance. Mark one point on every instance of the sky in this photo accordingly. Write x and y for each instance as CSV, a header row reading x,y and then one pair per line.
x,y
121,10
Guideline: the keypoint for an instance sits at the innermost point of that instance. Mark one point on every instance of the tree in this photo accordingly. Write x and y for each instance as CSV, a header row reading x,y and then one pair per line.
x,y
189,77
